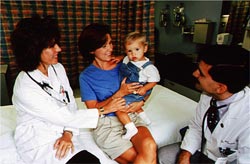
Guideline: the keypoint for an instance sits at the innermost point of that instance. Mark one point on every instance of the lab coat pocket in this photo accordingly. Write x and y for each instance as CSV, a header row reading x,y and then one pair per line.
x,y
227,149
227,146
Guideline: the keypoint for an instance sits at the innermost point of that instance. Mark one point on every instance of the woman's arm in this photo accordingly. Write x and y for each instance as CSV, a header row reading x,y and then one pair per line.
x,y
115,102
135,106
29,98
108,106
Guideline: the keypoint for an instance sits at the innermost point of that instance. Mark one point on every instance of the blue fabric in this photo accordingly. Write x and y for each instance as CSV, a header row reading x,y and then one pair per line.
x,y
110,114
131,71
97,84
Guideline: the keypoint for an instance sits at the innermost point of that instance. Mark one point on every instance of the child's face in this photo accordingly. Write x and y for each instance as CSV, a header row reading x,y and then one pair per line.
x,y
135,50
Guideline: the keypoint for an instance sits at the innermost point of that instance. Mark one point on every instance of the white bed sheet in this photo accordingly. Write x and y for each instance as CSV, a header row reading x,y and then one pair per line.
x,y
7,146
168,111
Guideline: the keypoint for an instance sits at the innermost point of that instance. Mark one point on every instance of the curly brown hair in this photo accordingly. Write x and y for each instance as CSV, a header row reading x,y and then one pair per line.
x,y
30,37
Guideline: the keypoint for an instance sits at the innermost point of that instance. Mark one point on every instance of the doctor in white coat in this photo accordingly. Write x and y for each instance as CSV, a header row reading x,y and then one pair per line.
x,y
232,133
48,122
223,75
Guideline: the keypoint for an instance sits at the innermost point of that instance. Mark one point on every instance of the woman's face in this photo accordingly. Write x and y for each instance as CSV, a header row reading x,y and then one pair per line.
x,y
104,53
50,55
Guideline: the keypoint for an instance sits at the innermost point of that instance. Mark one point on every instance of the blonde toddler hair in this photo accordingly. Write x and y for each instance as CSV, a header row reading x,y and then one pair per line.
x,y
134,36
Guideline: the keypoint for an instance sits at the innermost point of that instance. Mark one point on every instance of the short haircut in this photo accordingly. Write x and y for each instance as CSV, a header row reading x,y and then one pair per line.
x,y
91,38
30,37
230,65
133,36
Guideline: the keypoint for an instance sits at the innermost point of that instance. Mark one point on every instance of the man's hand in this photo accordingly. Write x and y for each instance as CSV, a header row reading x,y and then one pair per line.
x,y
63,145
184,157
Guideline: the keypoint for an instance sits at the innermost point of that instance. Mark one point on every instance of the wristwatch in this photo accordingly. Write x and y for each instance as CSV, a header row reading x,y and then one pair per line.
x,y
101,109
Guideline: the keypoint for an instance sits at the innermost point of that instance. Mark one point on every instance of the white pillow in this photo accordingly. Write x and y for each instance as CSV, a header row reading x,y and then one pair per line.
x,y
169,112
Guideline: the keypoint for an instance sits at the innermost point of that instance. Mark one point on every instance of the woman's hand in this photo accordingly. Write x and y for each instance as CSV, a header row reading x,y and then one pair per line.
x,y
119,104
117,59
135,106
63,145
116,104
130,88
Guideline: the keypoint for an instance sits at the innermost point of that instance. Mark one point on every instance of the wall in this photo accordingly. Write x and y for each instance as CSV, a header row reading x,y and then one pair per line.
x,y
170,39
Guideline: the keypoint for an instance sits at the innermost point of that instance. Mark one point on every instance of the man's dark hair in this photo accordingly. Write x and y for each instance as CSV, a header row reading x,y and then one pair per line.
x,y
230,65
30,37
91,38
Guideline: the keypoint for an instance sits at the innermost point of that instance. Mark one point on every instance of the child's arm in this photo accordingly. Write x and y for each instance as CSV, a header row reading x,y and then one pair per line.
x,y
142,91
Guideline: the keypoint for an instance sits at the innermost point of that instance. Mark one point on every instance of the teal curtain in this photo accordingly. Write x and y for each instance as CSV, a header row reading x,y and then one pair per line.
x,y
72,16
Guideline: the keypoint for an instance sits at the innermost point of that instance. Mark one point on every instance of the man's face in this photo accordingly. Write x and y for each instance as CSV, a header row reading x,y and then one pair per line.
x,y
205,81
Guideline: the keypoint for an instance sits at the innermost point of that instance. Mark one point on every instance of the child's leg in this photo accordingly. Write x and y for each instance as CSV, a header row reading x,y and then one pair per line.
x,y
143,116
123,117
129,125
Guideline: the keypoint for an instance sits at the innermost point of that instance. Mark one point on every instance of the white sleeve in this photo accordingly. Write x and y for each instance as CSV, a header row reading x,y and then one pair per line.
x,y
192,139
152,73
244,147
30,98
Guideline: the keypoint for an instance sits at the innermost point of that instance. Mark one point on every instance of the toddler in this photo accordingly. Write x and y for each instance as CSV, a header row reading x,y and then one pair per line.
x,y
137,68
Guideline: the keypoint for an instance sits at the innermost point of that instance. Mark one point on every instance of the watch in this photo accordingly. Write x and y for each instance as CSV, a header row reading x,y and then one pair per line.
x,y
101,109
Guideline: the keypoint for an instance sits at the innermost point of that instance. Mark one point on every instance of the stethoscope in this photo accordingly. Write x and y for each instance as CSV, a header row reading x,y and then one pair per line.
x,y
48,89
226,151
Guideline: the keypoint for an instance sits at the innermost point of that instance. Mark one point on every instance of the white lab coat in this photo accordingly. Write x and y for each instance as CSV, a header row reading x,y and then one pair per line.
x,y
232,131
42,118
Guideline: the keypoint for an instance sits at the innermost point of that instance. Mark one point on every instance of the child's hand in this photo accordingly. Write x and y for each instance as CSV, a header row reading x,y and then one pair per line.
x,y
141,91
117,59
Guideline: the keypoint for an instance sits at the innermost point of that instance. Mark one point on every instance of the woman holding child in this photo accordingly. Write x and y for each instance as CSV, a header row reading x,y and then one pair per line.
x,y
101,88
